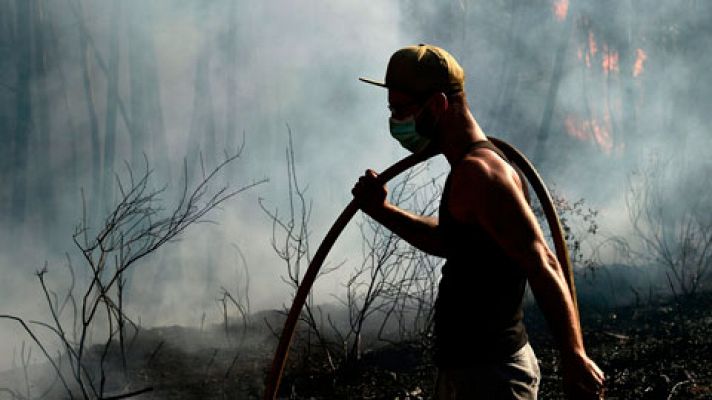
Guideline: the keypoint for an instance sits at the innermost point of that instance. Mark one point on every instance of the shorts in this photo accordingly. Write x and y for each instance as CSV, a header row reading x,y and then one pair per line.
x,y
516,377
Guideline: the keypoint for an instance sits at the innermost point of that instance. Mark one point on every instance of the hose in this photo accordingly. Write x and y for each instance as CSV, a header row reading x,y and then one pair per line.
x,y
280,357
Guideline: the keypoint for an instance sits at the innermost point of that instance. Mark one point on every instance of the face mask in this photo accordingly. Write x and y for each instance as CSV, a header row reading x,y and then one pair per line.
x,y
407,134
404,132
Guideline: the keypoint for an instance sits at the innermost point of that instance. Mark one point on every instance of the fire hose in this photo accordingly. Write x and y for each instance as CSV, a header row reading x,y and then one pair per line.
x,y
515,156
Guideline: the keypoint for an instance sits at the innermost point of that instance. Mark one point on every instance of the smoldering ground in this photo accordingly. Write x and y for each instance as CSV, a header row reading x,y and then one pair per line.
x,y
587,89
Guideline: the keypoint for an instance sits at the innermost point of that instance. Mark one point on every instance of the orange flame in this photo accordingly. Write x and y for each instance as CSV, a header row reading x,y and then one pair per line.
x,y
602,134
592,46
575,128
561,9
610,60
590,51
640,57
591,130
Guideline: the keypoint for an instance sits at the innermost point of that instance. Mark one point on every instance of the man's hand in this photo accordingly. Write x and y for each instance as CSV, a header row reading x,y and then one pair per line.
x,y
420,231
369,194
582,378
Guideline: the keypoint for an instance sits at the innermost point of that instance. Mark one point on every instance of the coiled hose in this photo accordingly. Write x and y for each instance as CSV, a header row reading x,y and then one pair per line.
x,y
280,357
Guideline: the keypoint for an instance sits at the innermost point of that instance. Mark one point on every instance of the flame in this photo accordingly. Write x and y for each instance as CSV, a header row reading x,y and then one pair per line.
x,y
590,52
640,57
591,130
602,134
592,45
610,60
604,103
561,9
575,128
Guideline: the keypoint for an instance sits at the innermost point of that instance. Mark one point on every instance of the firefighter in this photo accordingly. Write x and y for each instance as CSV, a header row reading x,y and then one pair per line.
x,y
488,235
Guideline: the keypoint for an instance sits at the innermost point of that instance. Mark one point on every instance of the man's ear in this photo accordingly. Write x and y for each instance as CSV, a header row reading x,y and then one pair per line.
x,y
440,103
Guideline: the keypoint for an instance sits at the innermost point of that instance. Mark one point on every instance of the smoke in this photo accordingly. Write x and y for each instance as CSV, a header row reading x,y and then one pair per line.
x,y
206,75
293,67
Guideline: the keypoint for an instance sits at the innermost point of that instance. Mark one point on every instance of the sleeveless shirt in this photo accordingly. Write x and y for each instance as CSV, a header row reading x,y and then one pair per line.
x,y
478,311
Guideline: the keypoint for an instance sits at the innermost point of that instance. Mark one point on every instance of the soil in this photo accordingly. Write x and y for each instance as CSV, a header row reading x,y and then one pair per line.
x,y
658,350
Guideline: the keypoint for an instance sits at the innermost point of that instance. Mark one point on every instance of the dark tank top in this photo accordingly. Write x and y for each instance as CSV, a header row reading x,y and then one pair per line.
x,y
478,311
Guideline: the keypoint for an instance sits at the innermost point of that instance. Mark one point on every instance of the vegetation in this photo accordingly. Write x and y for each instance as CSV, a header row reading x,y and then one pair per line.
x,y
588,89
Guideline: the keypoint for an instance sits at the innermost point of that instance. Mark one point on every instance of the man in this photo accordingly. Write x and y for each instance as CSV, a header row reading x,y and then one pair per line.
x,y
489,236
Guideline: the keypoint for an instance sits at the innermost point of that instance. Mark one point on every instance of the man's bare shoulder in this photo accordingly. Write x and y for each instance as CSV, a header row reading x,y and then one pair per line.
x,y
480,180
480,166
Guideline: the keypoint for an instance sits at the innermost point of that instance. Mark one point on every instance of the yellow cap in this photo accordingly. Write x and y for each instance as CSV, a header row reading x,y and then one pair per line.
x,y
422,70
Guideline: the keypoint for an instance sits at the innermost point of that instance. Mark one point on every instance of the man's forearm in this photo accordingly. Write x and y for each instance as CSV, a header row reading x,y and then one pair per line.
x,y
419,231
554,298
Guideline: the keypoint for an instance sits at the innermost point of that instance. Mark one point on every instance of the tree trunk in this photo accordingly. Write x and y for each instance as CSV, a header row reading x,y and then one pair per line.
x,y
70,183
628,54
556,75
112,97
93,119
44,192
23,109
202,136
7,97
501,106
231,79
147,133
202,127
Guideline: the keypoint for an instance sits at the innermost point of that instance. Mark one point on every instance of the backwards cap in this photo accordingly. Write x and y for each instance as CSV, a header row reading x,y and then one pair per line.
x,y
421,70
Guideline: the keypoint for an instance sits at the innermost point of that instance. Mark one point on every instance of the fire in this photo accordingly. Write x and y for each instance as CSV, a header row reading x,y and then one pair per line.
x,y
575,128
640,57
591,130
603,98
610,60
609,57
590,52
592,45
561,9
602,134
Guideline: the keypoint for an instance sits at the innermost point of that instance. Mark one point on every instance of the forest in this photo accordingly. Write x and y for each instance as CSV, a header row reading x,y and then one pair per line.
x,y
168,169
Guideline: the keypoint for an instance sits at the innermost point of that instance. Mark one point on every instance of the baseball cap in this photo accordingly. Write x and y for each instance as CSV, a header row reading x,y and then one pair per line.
x,y
421,70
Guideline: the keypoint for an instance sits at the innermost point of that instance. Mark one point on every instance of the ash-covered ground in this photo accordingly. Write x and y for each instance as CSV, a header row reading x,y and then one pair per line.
x,y
657,350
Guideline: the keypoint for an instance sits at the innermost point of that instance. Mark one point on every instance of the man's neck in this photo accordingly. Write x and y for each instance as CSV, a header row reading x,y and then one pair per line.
x,y
457,130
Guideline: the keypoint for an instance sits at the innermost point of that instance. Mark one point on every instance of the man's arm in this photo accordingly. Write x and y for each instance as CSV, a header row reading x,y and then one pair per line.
x,y
420,231
486,191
